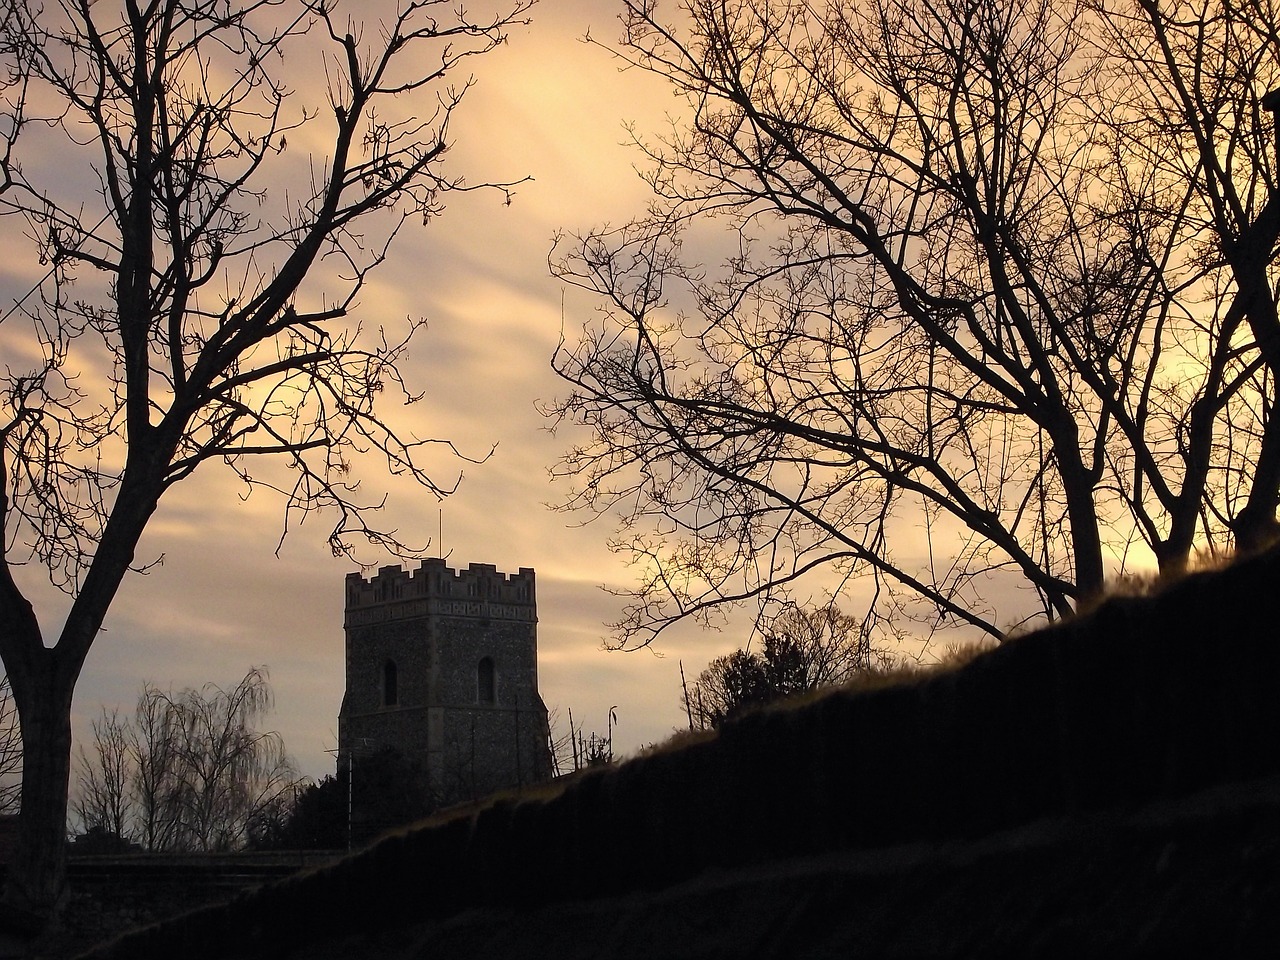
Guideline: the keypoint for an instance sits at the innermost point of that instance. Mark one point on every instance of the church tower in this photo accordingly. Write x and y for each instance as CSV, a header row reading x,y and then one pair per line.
x,y
442,666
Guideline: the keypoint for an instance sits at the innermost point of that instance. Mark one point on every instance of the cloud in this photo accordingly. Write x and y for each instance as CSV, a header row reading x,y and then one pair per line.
x,y
546,106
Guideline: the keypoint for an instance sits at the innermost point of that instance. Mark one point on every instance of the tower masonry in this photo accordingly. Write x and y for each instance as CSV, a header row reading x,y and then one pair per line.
x,y
442,666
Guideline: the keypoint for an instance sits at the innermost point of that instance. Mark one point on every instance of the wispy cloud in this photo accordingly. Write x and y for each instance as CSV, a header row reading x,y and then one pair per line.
x,y
546,106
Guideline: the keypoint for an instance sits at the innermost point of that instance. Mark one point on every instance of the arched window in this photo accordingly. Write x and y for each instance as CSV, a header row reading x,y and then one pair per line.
x,y
390,685
485,681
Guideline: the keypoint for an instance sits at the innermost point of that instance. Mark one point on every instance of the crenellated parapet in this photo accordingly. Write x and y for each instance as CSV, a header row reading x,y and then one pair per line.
x,y
435,589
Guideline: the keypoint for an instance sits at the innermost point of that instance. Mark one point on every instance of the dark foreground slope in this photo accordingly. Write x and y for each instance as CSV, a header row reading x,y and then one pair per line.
x,y
1194,878
1112,783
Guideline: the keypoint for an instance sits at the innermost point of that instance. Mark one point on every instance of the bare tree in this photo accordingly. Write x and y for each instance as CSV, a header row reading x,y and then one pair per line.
x,y
803,649
830,646
998,314
1194,142
104,791
230,771
158,789
214,269
728,686
192,771
561,744
10,751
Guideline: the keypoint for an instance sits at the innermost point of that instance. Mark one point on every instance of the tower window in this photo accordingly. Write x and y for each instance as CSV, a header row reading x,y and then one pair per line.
x,y
485,681
390,684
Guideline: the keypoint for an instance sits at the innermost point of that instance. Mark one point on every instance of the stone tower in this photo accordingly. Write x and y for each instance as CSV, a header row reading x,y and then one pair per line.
x,y
443,667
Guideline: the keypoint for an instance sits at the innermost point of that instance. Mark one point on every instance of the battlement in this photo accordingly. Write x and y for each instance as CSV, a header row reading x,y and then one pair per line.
x,y
433,580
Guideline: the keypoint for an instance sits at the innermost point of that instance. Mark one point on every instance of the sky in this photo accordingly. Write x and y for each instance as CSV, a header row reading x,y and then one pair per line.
x,y
548,106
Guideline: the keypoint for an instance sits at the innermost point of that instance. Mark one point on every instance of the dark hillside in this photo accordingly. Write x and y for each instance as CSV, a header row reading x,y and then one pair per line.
x,y
1048,793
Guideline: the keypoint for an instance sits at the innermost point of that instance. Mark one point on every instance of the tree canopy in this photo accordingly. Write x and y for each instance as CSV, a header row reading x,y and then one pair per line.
x,y
997,318
803,649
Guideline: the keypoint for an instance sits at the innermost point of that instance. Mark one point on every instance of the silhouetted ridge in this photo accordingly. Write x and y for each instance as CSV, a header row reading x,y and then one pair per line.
x,y
1143,699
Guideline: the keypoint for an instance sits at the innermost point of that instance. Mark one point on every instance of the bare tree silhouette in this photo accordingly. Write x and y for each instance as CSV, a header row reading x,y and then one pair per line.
x,y
997,315
189,771
803,649
10,751
209,317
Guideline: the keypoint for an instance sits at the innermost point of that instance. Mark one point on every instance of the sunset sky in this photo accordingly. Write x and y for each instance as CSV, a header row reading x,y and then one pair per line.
x,y
548,106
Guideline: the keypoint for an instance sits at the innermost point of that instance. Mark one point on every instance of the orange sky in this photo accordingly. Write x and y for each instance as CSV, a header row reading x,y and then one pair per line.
x,y
547,106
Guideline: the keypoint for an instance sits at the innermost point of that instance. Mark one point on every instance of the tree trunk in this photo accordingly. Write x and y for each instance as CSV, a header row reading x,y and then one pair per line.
x,y
36,879
1078,483
1255,526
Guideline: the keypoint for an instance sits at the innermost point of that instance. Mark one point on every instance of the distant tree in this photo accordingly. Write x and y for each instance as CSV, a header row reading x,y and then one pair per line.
x,y
728,686
107,784
385,791
803,649
316,819
997,312
10,751
201,274
561,743
227,769
191,771
157,791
